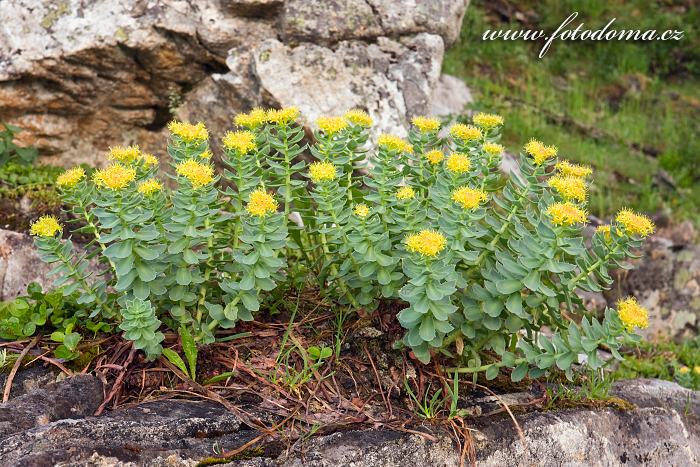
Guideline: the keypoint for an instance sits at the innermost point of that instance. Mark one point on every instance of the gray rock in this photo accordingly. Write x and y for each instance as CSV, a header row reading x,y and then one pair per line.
x,y
72,398
450,96
30,379
663,430
20,265
83,76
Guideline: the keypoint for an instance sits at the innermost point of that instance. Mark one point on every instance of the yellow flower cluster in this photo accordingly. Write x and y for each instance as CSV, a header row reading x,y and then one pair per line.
x,y
684,370
465,133
635,224
434,156
253,119
197,173
566,214
283,116
125,155
70,177
604,231
493,149
359,118
241,141
426,124
114,177
361,210
261,203
426,242
331,125
405,192
322,171
206,154
487,121
188,132
394,143
539,152
45,226
632,314
458,163
569,187
573,170
149,160
468,198
149,187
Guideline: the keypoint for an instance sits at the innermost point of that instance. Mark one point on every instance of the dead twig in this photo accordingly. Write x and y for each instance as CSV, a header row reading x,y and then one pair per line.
x,y
118,383
15,367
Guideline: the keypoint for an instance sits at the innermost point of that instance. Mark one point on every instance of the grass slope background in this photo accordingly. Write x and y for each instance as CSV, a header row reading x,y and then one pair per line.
x,y
629,109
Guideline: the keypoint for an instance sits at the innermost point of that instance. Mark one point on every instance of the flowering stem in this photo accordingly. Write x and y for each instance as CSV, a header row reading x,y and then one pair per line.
x,y
585,273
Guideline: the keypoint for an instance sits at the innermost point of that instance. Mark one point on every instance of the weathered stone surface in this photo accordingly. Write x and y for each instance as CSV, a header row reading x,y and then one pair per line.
x,y
663,430
392,80
20,265
83,76
72,398
450,96
666,281
30,379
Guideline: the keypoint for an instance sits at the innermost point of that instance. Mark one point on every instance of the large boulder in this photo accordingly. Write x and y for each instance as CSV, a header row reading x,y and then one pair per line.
x,y
662,429
83,76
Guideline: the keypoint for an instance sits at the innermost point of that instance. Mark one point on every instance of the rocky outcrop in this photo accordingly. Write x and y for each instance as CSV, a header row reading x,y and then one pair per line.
x,y
20,265
662,430
83,76
666,281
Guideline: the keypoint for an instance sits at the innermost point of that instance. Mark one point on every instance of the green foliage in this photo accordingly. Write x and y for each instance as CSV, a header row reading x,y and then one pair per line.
x,y
671,361
9,151
482,264
64,314
140,325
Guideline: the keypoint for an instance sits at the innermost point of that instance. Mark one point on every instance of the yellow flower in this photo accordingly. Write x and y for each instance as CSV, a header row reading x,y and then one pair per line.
x,y
188,132
149,160
359,118
632,314
635,224
465,132
241,141
492,149
566,214
487,121
458,163
321,171
573,170
70,177
696,370
284,116
569,187
604,231
468,198
45,226
114,177
206,154
684,370
125,155
261,203
539,152
197,173
394,143
361,210
405,192
331,125
434,156
426,242
150,186
426,124
251,120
